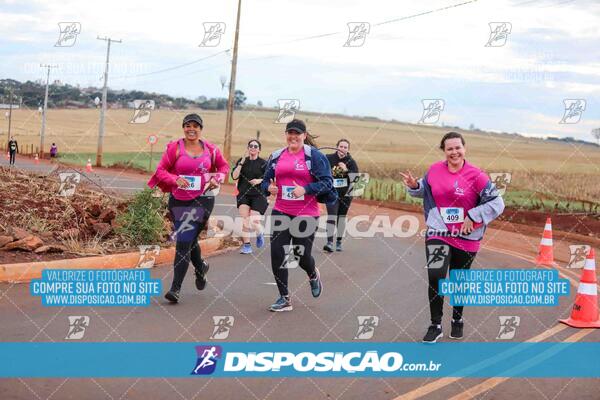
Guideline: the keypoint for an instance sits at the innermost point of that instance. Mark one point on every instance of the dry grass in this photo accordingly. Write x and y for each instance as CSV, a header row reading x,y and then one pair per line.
x,y
553,169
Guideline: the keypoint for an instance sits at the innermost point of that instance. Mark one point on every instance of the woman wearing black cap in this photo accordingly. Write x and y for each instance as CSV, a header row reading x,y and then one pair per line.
x,y
299,176
189,168
248,171
342,164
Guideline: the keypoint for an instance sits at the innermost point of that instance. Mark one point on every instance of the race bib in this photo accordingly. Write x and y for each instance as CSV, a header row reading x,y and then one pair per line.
x,y
286,193
195,182
340,182
452,215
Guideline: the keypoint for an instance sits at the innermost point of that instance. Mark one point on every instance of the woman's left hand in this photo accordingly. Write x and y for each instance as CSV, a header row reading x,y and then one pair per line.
x,y
298,191
467,226
255,182
213,184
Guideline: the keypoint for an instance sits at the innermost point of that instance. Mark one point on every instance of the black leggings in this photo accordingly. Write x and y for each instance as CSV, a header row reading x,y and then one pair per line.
x,y
439,258
13,155
336,215
301,247
190,218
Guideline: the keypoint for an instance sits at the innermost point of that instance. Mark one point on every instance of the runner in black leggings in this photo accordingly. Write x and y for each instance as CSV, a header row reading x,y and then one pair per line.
x,y
459,201
300,177
189,169
342,164
13,149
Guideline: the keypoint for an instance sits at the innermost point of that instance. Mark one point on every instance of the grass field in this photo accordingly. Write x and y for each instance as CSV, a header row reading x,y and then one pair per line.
x,y
557,171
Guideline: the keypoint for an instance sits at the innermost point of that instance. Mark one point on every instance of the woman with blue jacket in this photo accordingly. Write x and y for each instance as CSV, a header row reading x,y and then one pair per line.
x,y
300,178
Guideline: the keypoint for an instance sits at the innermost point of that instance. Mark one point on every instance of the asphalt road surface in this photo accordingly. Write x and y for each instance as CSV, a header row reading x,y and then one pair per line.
x,y
383,277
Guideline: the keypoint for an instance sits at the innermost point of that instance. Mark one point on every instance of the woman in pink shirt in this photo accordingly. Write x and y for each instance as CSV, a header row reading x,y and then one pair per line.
x,y
190,169
459,201
299,176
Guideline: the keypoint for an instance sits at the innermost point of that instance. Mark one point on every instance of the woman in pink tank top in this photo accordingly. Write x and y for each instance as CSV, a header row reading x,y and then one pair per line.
x,y
191,170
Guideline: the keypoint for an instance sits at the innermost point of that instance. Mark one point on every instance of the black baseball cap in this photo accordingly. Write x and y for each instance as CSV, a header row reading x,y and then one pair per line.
x,y
296,125
193,118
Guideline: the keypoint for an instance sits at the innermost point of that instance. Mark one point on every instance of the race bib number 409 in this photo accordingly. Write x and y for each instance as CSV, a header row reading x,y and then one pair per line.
x,y
452,215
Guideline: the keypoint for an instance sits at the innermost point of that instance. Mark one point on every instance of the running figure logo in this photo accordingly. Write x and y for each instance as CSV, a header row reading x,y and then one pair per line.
x,y
574,109
207,359
68,34
508,327
436,255
223,324
68,183
366,326
499,32
142,111
432,109
293,253
77,325
287,110
357,33
578,254
212,34
358,183
184,216
501,180
148,254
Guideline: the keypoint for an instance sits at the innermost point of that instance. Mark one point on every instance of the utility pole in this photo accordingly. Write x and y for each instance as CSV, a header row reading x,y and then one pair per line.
x,y
9,113
229,121
43,131
104,96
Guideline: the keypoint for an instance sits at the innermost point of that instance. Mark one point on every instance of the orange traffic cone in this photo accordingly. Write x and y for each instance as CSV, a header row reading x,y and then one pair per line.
x,y
546,254
37,159
585,309
88,166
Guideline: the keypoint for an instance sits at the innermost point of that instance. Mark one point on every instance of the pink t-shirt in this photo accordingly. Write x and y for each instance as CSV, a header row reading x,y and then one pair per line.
x,y
292,168
198,167
456,190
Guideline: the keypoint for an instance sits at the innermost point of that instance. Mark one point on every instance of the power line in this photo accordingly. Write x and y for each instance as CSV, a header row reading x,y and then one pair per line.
x,y
160,71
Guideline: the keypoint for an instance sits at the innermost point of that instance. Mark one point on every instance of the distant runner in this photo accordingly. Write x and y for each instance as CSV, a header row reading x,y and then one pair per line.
x,y
249,171
342,164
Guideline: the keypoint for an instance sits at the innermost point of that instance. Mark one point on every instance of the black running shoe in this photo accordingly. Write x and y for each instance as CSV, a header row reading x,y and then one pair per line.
x,y
434,332
457,329
201,275
172,296
328,247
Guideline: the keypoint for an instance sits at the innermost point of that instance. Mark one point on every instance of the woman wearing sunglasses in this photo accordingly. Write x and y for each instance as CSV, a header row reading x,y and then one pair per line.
x,y
248,171
300,178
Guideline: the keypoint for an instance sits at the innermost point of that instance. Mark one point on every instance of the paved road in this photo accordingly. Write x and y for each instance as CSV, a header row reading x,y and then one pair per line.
x,y
379,276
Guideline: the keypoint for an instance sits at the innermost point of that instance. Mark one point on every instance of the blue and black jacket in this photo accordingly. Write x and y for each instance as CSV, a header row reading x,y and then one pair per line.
x,y
318,167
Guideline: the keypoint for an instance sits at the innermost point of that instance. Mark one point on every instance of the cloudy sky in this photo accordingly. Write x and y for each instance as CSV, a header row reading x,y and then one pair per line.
x,y
295,50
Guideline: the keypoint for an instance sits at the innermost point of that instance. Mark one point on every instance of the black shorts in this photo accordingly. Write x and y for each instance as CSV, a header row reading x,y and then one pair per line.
x,y
257,203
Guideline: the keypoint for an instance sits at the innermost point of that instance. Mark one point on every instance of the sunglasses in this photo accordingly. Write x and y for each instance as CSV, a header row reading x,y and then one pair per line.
x,y
253,146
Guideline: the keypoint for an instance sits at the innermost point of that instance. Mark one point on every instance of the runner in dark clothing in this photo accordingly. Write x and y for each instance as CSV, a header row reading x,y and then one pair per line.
x,y
13,149
248,171
342,164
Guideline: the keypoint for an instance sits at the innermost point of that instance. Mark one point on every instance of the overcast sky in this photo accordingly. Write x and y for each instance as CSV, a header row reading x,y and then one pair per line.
x,y
296,50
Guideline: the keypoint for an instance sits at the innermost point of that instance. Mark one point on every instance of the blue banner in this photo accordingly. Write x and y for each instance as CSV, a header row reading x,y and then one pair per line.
x,y
504,287
326,360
